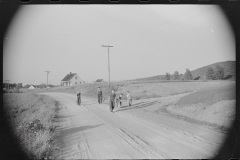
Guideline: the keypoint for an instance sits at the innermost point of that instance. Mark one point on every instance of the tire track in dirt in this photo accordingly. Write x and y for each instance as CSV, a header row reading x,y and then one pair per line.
x,y
186,134
179,137
127,134
133,140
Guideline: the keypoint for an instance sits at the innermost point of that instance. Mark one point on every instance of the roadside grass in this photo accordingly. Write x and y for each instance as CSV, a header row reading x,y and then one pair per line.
x,y
213,107
209,96
138,89
207,101
154,90
31,116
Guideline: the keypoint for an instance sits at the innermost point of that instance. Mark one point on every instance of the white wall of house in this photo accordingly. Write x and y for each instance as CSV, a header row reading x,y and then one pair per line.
x,y
65,83
76,80
31,87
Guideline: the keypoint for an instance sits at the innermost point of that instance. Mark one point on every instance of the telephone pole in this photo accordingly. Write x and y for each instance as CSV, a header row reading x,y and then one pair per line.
x,y
7,84
47,76
108,65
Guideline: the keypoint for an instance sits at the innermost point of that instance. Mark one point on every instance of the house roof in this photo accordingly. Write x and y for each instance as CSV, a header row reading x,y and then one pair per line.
x,y
68,77
99,80
32,86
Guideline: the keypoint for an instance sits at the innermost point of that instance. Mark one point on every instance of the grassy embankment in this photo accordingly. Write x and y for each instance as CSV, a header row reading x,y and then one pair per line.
x,y
138,89
208,102
214,107
31,116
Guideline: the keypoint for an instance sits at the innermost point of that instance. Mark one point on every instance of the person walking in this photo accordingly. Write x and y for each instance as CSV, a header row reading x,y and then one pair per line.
x,y
120,99
99,93
79,97
117,100
112,99
129,98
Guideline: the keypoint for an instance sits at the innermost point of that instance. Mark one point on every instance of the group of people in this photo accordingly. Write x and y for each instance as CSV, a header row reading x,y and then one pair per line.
x,y
113,98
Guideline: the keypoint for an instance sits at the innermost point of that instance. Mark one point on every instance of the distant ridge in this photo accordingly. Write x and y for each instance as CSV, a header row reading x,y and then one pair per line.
x,y
229,71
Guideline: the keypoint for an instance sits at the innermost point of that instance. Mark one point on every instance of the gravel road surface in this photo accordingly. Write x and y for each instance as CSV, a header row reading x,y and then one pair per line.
x,y
91,131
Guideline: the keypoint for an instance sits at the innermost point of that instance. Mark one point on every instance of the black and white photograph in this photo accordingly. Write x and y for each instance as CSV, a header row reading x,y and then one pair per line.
x,y
119,81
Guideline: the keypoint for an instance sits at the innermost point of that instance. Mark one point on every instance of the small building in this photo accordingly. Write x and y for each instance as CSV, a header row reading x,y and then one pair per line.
x,y
71,79
31,87
99,80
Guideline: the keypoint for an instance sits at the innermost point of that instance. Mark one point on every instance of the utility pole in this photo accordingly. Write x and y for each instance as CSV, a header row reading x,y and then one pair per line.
x,y
108,65
8,84
47,76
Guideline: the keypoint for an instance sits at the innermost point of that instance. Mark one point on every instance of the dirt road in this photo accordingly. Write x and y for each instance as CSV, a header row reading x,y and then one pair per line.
x,y
90,131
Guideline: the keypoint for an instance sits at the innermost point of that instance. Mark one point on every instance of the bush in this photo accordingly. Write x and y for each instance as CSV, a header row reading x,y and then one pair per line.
x,y
31,118
219,72
227,77
188,75
167,76
196,78
176,75
210,73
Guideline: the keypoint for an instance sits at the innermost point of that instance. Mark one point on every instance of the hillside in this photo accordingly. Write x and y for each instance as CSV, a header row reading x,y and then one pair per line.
x,y
229,71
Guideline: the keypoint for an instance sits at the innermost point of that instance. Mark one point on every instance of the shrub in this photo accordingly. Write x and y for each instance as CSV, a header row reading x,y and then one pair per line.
x,y
210,73
196,78
219,72
188,75
176,75
31,118
167,76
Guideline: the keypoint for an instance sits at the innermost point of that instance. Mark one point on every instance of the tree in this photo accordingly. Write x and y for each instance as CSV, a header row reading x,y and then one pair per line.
x,y
176,75
167,76
27,86
188,75
219,72
210,73
20,85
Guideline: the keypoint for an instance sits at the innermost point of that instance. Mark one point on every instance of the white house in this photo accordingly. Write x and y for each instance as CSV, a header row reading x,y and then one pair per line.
x,y
31,87
71,79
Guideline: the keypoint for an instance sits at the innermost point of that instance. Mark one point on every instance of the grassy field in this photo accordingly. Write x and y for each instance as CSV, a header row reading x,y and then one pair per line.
x,y
214,106
208,102
31,118
138,89
209,96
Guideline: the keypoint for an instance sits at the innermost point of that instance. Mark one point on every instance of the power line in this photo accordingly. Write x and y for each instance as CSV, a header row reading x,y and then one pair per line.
x,y
157,27
126,29
129,28
160,26
160,31
113,38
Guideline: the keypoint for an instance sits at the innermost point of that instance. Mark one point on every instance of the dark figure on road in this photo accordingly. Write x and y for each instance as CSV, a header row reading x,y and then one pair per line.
x,y
99,93
120,99
117,100
79,97
112,99
129,98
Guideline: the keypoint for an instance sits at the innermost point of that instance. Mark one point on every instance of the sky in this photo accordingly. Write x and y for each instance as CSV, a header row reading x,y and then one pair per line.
x,y
147,40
